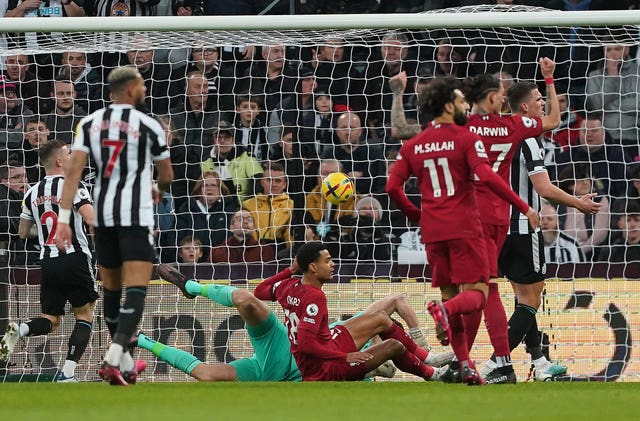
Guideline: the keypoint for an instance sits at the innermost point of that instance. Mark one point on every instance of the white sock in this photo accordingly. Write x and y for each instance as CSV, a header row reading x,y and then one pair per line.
x,y
541,361
69,368
23,330
126,362
114,355
503,361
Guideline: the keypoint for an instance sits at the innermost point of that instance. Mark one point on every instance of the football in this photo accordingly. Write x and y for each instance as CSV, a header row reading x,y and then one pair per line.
x,y
337,188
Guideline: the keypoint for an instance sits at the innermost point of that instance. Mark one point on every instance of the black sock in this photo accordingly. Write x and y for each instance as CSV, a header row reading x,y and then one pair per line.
x,y
39,326
519,324
130,315
533,341
112,309
79,340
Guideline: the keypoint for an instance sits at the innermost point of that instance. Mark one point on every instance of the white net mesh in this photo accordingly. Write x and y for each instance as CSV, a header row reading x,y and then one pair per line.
x,y
281,94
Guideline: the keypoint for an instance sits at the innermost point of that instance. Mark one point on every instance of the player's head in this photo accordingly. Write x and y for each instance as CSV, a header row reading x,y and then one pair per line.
x,y
53,155
484,90
314,259
443,97
525,98
126,85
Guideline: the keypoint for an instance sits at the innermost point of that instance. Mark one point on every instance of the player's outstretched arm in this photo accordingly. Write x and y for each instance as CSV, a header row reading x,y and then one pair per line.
x,y
395,190
552,118
400,129
549,191
500,187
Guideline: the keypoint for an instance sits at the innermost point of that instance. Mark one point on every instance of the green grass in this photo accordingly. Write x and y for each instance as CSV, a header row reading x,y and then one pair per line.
x,y
320,401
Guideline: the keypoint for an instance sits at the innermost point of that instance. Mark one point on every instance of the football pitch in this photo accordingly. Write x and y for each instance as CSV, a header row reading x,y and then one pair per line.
x,y
397,401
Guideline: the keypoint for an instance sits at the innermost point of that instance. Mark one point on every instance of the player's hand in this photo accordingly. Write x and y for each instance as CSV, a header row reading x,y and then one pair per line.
x,y
358,357
588,206
184,11
533,217
63,236
295,267
547,66
398,83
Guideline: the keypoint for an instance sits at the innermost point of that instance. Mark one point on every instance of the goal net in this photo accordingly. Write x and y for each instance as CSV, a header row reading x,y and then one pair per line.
x,y
271,110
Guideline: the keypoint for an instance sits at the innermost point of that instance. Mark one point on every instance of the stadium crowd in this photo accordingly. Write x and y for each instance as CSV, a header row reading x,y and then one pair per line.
x,y
253,130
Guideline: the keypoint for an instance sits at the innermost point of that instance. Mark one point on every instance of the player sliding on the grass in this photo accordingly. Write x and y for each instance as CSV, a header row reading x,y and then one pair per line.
x,y
272,359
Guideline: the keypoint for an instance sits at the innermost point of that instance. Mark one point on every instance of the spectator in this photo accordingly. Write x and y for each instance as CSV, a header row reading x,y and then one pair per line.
x,y
238,170
558,246
125,8
613,87
12,111
363,163
378,95
206,61
290,110
13,186
300,168
369,239
66,113
568,132
272,209
316,134
194,117
334,74
36,134
87,81
242,246
252,132
184,160
28,88
606,161
627,248
591,231
207,214
321,217
190,250
165,215
454,58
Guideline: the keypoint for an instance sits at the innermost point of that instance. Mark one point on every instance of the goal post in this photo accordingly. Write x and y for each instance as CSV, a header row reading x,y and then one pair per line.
x,y
591,308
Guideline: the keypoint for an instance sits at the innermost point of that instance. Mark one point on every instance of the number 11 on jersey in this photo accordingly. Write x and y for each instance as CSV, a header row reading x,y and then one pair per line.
x,y
443,163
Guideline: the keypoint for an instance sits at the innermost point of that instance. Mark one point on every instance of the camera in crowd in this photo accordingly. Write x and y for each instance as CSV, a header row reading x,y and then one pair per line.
x,y
196,6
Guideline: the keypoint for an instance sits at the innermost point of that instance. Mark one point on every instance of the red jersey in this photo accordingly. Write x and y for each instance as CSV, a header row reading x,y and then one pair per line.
x,y
501,135
443,158
307,320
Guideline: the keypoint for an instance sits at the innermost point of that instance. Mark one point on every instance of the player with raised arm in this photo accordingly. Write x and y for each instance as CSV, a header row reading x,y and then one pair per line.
x,y
67,275
123,142
272,359
522,257
444,158
322,353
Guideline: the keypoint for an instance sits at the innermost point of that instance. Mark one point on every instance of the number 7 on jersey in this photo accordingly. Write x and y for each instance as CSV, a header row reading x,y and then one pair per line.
x,y
114,153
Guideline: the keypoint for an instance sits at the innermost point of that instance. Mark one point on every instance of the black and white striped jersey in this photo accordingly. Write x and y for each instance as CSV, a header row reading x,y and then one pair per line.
x,y
41,205
122,142
123,8
528,160
564,249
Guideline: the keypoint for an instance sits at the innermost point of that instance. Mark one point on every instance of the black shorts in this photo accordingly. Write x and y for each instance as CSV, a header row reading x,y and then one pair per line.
x,y
115,245
68,277
522,258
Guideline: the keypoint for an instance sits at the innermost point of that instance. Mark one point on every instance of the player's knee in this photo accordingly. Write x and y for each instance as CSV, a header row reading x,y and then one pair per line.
x,y
394,347
244,299
399,300
382,319
55,322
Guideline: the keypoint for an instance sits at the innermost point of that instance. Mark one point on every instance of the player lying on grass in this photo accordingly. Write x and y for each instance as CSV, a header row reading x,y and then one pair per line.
x,y
272,359
322,353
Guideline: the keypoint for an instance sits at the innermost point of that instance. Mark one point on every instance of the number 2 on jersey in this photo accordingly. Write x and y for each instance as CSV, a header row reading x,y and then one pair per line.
x,y
443,163
44,220
117,145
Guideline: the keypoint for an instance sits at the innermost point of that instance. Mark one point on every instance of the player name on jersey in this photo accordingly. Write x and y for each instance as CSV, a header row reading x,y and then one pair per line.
x,y
447,145
489,131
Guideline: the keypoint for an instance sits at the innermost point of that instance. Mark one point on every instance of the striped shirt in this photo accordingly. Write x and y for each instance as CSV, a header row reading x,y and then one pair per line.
x,y
529,160
564,249
41,206
123,8
122,142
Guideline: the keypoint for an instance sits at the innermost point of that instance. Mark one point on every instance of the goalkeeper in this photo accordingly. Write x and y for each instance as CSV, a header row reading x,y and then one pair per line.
x,y
272,359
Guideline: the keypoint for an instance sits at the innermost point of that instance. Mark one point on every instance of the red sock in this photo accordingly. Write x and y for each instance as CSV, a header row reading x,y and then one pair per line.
x,y
395,332
421,353
465,302
471,325
458,338
410,363
496,320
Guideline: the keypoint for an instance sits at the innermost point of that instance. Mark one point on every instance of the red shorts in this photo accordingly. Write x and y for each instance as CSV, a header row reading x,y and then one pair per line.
x,y
494,237
337,370
459,261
